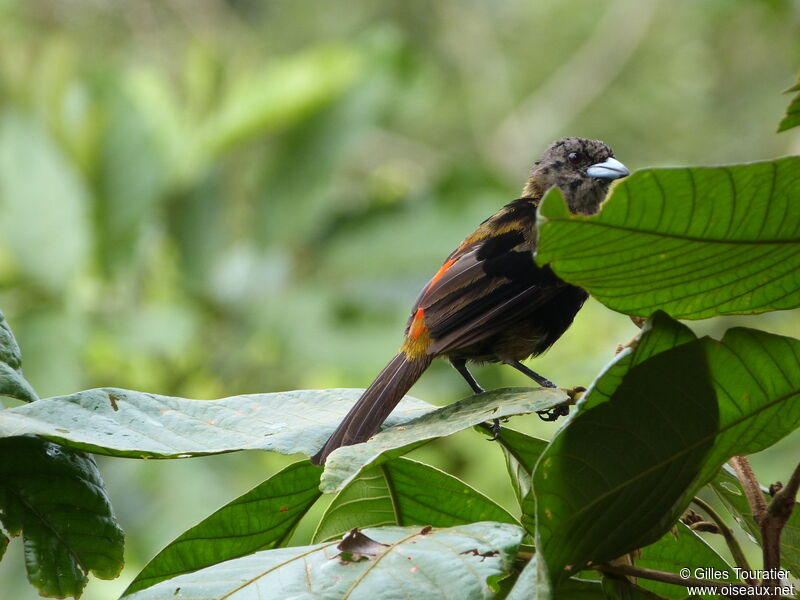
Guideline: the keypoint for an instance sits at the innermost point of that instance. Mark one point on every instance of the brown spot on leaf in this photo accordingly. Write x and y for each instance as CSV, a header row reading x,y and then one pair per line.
x,y
113,398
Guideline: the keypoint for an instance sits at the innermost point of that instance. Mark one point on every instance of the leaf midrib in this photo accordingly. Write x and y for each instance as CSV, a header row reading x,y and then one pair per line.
x,y
676,236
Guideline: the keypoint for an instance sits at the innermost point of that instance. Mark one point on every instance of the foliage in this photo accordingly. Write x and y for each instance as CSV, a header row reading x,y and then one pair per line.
x,y
12,381
56,499
232,531
792,118
456,562
693,218
201,202
581,507
741,394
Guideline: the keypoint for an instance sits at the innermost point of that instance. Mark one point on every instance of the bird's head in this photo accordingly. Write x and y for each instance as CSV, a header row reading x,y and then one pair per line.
x,y
582,169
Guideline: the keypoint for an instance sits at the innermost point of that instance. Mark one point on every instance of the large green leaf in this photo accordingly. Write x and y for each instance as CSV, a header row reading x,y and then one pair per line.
x,y
12,382
521,453
347,462
677,549
660,333
135,424
56,499
263,518
406,492
792,118
695,242
730,491
460,563
620,473
611,477
532,584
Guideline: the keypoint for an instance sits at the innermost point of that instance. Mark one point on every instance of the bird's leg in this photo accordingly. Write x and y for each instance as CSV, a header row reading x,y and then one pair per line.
x,y
551,414
460,365
542,381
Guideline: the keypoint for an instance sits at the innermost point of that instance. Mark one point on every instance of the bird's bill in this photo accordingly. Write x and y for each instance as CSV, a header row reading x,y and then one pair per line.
x,y
610,168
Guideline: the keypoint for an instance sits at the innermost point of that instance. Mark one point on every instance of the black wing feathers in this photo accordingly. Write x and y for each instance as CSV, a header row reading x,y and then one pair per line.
x,y
491,283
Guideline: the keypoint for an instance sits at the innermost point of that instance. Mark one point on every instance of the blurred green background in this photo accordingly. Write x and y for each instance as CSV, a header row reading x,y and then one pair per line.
x,y
204,198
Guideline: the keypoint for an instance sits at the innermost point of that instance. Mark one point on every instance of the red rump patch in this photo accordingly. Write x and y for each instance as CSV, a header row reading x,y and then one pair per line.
x,y
417,324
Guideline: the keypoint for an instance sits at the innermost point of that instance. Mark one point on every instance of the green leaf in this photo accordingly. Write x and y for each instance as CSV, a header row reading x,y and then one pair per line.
x,y
4,541
521,452
119,422
792,118
12,382
406,492
677,549
660,333
263,518
533,585
611,477
694,242
621,589
727,487
460,563
56,499
619,474
757,378
347,462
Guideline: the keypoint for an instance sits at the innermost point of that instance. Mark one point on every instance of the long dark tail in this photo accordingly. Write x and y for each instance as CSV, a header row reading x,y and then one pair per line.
x,y
375,404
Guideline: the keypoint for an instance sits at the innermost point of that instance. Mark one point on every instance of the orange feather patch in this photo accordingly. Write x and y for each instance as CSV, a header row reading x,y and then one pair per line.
x,y
417,326
441,271
417,339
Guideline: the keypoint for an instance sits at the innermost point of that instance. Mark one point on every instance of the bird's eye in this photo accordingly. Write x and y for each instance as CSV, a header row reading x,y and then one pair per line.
x,y
574,157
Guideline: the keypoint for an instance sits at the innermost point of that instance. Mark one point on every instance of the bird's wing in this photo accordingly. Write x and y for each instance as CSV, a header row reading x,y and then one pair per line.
x,y
486,285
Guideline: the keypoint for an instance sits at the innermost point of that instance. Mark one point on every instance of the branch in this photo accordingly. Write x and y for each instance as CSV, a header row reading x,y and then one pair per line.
x,y
751,487
662,576
774,518
733,544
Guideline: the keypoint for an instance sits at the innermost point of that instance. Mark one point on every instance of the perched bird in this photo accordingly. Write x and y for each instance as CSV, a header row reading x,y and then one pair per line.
x,y
490,302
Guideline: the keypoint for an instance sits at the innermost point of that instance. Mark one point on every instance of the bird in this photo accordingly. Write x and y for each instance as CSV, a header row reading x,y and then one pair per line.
x,y
490,302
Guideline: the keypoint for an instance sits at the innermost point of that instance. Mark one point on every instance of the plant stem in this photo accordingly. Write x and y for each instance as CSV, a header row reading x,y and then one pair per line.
x,y
751,487
733,544
661,576
775,517
525,555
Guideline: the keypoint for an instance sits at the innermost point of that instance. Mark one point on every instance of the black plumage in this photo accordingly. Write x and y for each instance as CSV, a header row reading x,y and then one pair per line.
x,y
490,302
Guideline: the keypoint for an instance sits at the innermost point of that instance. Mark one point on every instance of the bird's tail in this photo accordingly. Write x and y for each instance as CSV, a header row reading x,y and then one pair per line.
x,y
375,403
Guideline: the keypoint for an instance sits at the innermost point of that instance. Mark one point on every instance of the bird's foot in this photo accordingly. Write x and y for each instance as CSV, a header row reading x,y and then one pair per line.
x,y
553,414
562,410
496,429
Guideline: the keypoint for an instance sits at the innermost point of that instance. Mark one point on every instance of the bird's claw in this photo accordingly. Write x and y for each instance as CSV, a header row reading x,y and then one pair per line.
x,y
553,414
496,429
